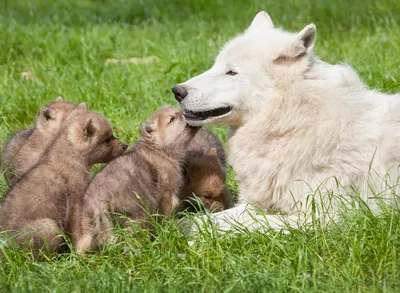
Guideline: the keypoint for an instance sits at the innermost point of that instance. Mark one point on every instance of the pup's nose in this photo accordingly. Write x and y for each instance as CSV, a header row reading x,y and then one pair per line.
x,y
124,146
180,92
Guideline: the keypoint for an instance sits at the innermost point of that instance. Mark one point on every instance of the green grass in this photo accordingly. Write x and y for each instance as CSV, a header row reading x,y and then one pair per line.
x,y
65,45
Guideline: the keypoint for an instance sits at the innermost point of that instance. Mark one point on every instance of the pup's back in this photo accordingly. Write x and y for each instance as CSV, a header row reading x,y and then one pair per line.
x,y
26,147
115,189
203,142
12,147
205,173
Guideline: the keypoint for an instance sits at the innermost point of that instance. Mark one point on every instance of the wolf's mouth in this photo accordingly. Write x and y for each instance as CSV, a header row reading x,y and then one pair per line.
x,y
190,115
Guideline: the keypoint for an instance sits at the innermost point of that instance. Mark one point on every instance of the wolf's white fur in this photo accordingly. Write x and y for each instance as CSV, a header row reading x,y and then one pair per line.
x,y
302,127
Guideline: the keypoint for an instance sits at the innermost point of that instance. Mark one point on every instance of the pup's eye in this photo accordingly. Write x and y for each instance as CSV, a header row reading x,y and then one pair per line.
x,y
171,119
208,196
231,72
108,139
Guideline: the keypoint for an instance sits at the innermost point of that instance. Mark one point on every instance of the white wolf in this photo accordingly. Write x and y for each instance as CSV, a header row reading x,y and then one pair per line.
x,y
304,129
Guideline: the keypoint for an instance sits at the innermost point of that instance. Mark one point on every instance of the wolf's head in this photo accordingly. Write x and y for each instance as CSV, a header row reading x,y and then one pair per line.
x,y
249,70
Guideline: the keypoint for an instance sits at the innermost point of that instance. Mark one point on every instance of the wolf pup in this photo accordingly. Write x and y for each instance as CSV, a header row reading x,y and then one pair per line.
x,y
26,147
37,208
145,180
205,173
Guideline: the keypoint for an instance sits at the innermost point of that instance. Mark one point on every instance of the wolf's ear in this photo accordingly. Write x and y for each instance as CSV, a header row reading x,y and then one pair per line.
x,y
302,45
47,113
146,130
306,38
59,99
88,128
261,22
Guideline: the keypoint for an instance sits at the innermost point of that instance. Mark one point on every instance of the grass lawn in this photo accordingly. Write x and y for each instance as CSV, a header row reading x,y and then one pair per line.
x,y
64,46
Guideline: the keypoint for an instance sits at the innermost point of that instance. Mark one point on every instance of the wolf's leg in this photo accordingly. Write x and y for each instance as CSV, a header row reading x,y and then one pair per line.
x,y
244,217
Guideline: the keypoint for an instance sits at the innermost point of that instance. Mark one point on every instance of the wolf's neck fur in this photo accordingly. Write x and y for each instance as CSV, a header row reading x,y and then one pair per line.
x,y
339,75
320,83
318,110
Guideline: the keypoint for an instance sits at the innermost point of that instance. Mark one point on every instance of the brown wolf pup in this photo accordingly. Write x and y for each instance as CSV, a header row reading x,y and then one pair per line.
x,y
26,147
205,173
37,208
145,180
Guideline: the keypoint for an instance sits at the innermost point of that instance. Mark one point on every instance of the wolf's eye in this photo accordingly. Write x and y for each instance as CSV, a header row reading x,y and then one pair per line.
x,y
108,139
171,119
231,72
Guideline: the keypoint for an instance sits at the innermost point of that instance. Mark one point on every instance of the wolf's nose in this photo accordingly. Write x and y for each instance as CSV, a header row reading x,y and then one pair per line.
x,y
180,92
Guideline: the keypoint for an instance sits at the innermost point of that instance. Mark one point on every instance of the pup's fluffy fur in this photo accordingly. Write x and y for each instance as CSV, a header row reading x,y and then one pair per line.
x,y
37,209
144,181
205,173
26,147
302,126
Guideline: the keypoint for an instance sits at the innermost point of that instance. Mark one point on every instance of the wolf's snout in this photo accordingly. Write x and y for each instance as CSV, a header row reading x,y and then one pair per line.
x,y
180,92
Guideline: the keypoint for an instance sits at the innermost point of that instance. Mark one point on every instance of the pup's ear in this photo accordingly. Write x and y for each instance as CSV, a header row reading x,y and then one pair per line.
x,y
261,22
212,152
146,130
47,113
59,99
302,45
88,128
82,106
